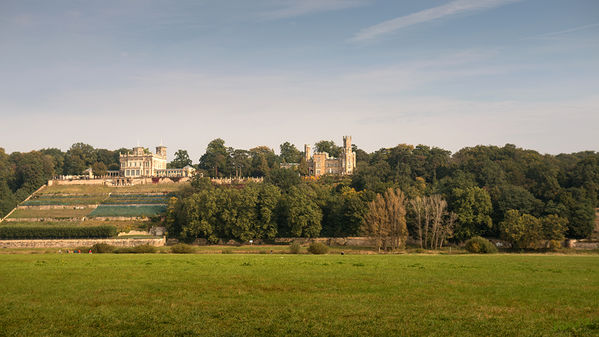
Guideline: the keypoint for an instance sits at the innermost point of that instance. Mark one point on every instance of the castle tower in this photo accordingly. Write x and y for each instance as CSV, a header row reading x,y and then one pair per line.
x,y
161,150
307,152
348,161
347,143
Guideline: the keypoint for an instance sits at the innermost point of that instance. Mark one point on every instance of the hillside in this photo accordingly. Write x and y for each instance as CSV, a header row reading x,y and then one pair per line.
x,y
128,208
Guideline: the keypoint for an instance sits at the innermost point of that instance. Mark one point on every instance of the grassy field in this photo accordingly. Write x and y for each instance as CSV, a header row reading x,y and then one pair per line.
x,y
241,295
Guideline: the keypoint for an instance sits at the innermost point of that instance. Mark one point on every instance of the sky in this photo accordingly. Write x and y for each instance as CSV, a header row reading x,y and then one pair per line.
x,y
445,73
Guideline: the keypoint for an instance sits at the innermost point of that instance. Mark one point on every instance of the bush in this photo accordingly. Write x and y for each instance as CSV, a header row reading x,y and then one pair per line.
x,y
318,248
554,245
227,251
142,249
182,248
56,232
102,248
295,248
479,245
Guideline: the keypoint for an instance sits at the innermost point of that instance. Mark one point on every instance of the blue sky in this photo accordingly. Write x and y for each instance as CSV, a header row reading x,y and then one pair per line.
x,y
449,73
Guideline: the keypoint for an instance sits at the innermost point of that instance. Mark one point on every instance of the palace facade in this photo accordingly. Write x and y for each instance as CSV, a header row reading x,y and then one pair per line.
x,y
142,163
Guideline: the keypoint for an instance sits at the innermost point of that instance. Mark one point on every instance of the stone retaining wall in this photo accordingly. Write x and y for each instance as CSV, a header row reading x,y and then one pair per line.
x,y
582,244
80,182
42,219
121,218
70,243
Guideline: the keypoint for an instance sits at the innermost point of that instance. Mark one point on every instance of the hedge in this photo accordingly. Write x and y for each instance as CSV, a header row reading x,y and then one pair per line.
x,y
56,232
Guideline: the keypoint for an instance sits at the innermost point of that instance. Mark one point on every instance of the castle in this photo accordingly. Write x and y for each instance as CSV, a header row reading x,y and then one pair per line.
x,y
142,163
320,163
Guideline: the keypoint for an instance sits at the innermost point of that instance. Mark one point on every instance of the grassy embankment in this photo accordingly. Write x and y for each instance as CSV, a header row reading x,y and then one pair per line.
x,y
159,294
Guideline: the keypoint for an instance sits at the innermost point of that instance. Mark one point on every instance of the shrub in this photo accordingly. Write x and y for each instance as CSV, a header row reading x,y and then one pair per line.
x,y
182,248
141,249
554,244
295,248
101,248
318,248
56,232
227,251
480,245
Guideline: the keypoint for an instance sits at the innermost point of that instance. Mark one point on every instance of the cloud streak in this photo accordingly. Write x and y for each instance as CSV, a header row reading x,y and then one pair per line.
x,y
450,9
571,30
294,8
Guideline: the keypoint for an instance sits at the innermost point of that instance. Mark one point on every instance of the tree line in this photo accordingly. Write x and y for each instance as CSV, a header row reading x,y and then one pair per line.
x,y
481,187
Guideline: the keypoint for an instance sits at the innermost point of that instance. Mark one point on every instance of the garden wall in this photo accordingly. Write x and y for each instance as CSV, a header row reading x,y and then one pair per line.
x,y
68,243
582,244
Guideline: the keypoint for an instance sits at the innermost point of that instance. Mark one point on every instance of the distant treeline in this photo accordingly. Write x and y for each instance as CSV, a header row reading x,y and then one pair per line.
x,y
480,185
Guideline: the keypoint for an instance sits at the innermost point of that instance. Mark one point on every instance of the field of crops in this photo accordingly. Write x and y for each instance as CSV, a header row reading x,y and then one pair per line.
x,y
42,200
127,211
132,199
62,213
281,294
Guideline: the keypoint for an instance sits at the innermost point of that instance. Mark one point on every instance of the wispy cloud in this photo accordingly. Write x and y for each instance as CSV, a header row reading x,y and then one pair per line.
x,y
566,31
293,8
452,8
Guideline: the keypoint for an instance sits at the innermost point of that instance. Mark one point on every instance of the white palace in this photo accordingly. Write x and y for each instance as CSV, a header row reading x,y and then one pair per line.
x,y
141,163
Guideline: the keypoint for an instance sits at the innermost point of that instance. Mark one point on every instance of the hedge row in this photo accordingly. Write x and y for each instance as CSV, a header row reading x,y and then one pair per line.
x,y
56,232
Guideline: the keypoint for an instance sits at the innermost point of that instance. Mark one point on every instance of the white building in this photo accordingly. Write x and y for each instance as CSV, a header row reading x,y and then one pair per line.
x,y
142,163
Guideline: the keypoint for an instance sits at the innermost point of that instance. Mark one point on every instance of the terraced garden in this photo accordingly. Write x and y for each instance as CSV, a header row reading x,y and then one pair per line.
x,y
69,205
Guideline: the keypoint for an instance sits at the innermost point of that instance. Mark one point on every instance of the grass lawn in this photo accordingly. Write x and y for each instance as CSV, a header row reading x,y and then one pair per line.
x,y
243,295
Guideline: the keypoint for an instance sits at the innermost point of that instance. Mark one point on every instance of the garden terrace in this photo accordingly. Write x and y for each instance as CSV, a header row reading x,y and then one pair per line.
x,y
48,200
137,199
63,213
127,211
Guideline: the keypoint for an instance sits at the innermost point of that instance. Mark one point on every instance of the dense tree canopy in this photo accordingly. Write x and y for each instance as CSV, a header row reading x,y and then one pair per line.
x,y
181,160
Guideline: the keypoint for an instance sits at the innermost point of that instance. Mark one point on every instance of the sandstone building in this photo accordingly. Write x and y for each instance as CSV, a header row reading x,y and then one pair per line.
x,y
320,163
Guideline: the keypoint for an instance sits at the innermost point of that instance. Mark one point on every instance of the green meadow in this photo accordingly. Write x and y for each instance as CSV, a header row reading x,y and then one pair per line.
x,y
284,294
